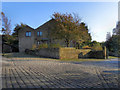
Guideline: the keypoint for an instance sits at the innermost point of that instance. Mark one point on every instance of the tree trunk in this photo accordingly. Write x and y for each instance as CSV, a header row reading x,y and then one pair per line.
x,y
67,43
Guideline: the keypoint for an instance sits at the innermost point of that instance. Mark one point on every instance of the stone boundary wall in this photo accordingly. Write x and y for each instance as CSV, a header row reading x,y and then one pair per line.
x,y
48,52
72,53
45,52
67,53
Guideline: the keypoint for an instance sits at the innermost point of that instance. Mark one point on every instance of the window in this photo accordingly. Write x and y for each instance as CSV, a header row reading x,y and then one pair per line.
x,y
28,34
39,33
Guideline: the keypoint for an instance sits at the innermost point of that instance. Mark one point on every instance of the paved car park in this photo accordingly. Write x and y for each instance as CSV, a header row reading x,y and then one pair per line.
x,y
44,73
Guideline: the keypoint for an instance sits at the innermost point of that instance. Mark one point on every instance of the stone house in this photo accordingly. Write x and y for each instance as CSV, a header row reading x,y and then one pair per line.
x,y
29,36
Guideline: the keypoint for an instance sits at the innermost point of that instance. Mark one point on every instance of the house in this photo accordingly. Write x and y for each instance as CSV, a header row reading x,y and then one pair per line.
x,y
29,36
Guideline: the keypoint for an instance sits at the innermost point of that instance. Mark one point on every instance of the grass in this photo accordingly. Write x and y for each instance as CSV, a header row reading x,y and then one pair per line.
x,y
24,56
88,59
112,57
78,60
6,55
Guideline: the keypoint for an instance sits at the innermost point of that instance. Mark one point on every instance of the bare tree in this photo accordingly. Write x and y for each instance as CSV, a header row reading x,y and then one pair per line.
x,y
5,25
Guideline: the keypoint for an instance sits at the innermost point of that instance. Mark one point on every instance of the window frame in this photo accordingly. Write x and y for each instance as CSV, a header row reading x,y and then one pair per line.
x,y
39,33
29,34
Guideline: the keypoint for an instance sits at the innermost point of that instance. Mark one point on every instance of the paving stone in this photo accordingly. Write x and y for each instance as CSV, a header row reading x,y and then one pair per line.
x,y
38,73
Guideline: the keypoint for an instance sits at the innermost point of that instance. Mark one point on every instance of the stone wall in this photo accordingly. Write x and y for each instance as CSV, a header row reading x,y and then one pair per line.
x,y
45,52
67,53
48,52
72,53
95,54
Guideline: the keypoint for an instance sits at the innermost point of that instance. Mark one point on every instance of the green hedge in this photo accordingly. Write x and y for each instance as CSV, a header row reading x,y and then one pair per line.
x,y
43,46
97,47
49,46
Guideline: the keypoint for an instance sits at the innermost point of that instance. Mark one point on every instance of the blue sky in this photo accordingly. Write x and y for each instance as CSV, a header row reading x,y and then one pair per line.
x,y
101,17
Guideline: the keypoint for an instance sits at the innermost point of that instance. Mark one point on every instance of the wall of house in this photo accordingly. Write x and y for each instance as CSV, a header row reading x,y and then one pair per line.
x,y
44,35
45,29
25,42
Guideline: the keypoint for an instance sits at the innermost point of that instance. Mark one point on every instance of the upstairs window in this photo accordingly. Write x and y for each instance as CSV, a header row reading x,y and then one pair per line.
x,y
39,33
28,34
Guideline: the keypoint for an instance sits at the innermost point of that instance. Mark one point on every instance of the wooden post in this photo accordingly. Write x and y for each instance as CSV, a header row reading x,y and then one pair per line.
x,y
105,53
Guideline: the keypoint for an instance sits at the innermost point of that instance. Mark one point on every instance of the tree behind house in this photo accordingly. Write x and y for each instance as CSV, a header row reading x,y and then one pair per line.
x,y
17,28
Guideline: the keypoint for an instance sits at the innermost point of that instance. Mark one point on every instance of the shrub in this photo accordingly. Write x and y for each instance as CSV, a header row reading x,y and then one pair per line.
x,y
27,51
86,47
34,47
42,46
55,45
97,47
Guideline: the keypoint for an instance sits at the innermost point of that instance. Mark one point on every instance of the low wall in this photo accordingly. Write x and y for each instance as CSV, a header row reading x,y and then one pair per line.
x,y
67,53
96,54
72,53
45,52
48,52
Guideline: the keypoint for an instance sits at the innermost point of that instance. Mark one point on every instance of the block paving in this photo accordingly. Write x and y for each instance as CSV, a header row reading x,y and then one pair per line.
x,y
45,73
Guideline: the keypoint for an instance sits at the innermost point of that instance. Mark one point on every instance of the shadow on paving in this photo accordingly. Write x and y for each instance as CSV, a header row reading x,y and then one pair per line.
x,y
19,55
110,64
113,71
68,79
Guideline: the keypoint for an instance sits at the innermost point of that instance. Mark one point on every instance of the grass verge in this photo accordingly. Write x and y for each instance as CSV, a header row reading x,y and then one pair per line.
x,y
78,60
112,57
